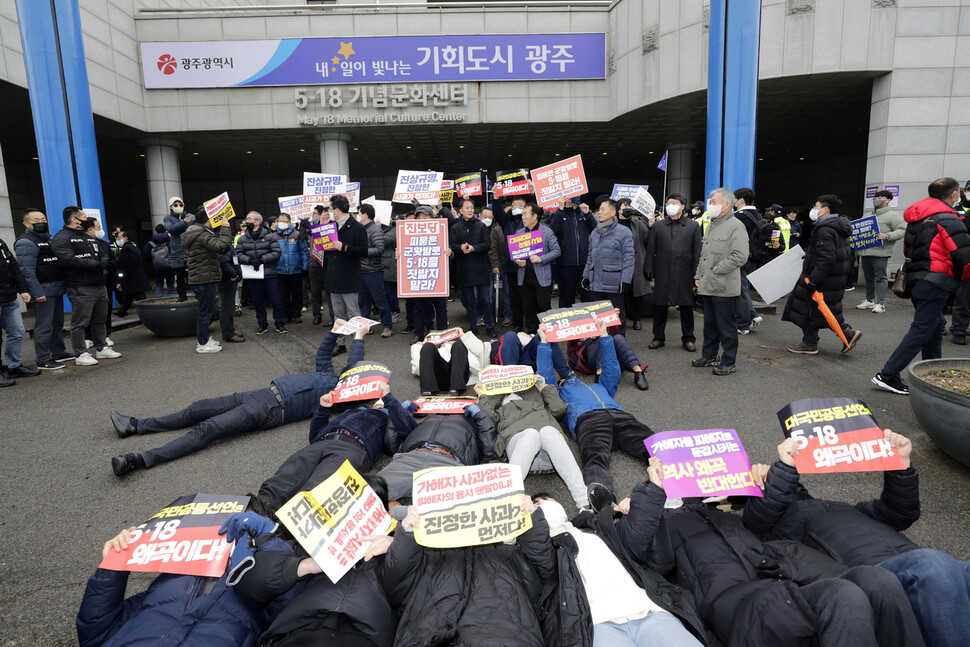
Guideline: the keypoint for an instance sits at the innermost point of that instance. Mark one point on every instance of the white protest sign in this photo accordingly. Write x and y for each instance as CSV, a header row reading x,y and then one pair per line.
x,y
423,186
643,202
776,279
382,209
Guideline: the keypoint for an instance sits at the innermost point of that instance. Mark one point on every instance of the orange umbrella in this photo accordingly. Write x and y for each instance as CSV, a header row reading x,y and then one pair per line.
x,y
829,317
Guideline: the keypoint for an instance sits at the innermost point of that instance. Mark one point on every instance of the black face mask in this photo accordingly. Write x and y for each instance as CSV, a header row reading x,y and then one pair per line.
x,y
40,228
250,226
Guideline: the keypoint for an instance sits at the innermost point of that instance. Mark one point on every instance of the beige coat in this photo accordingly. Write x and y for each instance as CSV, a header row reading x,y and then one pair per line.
x,y
724,251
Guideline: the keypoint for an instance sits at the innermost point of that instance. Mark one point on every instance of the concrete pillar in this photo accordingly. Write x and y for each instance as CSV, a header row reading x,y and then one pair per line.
x,y
164,175
680,160
6,217
334,156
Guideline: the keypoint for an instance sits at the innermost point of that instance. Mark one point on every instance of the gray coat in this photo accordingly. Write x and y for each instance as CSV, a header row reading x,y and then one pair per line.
x,y
724,251
388,261
259,244
176,226
672,256
611,258
373,262
641,238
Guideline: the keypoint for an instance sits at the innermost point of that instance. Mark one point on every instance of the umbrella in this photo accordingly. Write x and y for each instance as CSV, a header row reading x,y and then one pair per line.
x,y
497,284
829,317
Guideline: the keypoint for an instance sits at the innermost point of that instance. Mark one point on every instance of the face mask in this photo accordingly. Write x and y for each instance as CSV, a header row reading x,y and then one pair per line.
x,y
879,203
516,212
672,209
40,227
713,210
813,214
487,221
554,512
178,210
120,241
250,226
695,212
282,227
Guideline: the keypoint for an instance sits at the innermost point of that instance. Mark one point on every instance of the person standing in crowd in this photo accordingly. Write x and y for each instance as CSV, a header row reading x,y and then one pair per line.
x,y
317,271
260,248
718,280
776,214
46,285
609,266
827,263
498,259
748,215
572,227
202,248
131,269
84,262
428,311
791,215
938,246
874,260
961,302
673,253
372,270
469,240
535,273
640,286
389,265
509,219
293,265
230,275
343,264
112,279
159,254
176,222
12,285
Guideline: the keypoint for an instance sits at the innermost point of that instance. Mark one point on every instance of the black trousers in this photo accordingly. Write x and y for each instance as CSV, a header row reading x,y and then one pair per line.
x,y
515,297
181,282
686,323
570,277
619,302
720,329
598,432
535,299
227,308
433,309
437,375
291,294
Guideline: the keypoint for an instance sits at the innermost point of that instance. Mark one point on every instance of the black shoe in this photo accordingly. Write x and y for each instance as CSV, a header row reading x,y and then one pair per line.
x,y
701,362
408,328
296,320
637,325
339,350
725,370
261,330
600,496
690,347
237,312
491,334
127,463
317,320
454,393
640,380
65,358
960,341
124,425
22,371
281,329
655,344
6,381
49,366
892,383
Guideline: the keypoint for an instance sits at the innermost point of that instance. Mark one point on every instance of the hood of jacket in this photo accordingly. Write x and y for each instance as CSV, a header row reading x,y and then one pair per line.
x,y
926,208
841,224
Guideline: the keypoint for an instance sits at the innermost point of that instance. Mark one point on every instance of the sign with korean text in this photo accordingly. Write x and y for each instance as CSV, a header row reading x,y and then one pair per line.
x,y
332,520
864,232
643,202
506,379
604,310
351,190
525,244
447,190
423,186
469,184
703,463
627,190
361,382
578,322
355,324
323,237
438,337
894,189
219,210
837,435
559,180
296,207
422,267
432,405
183,538
511,182
469,506
318,188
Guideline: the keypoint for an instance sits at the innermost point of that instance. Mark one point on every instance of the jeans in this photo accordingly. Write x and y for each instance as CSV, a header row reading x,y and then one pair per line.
x,y
744,306
49,329
13,327
163,278
478,301
597,432
658,628
720,329
372,291
535,300
961,311
874,269
524,446
570,277
437,375
227,306
205,294
390,293
261,291
926,332
214,419
89,305
508,350
686,323
346,306
291,294
938,588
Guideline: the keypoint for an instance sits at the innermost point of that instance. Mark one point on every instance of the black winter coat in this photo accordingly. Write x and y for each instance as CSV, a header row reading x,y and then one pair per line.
x,y
132,269
472,440
82,258
827,263
343,267
472,268
262,245
672,256
862,534
12,281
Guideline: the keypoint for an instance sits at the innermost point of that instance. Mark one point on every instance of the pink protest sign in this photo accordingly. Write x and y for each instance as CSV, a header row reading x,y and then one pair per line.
x,y
704,463
525,244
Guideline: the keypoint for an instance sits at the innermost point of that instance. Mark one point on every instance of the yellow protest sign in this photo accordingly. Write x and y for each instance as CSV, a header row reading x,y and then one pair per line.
x,y
506,379
219,210
331,520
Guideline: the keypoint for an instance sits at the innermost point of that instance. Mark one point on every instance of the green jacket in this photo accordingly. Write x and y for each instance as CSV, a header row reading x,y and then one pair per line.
x,y
536,409
202,249
892,224
723,252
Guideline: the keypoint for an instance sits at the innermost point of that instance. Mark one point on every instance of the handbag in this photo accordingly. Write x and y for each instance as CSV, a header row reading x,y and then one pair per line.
x,y
901,283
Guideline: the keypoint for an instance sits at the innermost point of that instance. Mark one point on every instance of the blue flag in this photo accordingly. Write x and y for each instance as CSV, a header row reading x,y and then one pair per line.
x,y
663,163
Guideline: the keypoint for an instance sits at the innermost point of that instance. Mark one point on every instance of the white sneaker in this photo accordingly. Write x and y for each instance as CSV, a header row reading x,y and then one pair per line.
x,y
879,308
757,320
205,348
108,342
88,343
213,342
107,353
85,359
866,305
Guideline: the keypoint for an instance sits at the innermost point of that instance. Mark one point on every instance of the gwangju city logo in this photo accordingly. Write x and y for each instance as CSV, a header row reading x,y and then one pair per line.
x,y
167,64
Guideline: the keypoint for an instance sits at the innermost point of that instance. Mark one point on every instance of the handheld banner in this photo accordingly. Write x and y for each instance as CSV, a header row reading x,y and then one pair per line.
x,y
864,232
447,191
578,322
422,266
627,190
423,186
559,180
469,184
643,202
323,183
219,210
604,310
469,506
362,382
837,435
355,324
431,405
525,244
351,191
506,379
332,519
323,237
512,182
703,463
296,207
777,278
182,539
438,337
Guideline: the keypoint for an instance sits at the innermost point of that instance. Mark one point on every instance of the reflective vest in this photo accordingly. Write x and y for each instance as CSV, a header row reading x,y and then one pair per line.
x,y
704,220
785,227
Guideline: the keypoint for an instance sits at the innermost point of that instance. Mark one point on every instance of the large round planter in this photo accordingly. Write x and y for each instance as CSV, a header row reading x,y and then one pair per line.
x,y
943,414
168,319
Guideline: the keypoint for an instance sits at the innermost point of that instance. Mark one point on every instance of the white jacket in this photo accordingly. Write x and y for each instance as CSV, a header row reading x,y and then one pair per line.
x,y
479,355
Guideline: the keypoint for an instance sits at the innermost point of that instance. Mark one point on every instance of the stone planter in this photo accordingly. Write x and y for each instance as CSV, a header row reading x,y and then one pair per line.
x,y
943,414
167,318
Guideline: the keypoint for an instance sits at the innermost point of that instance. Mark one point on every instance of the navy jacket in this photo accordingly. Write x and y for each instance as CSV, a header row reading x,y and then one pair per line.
x,y
294,252
378,429
176,226
572,227
301,392
39,264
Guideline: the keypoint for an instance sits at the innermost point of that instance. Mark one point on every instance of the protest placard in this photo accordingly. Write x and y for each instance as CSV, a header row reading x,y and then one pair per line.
x,y
864,232
438,337
423,186
323,237
559,180
777,278
442,404
703,463
351,191
511,182
323,183
506,379
422,267
894,189
447,191
643,202
525,244
469,506
219,210
355,324
250,272
295,206
332,519
468,184
96,214
382,209
837,435
603,310
183,538
578,322
627,190
362,382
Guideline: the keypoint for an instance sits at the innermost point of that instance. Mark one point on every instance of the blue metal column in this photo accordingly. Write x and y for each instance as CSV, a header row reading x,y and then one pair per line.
x,y
715,96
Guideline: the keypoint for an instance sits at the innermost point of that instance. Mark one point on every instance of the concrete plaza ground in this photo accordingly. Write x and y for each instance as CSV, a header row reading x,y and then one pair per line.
x,y
60,501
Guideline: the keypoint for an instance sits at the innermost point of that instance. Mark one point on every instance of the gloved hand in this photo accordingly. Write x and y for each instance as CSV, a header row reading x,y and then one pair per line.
x,y
649,276
245,523
625,288
812,288
584,283
472,410
256,263
409,406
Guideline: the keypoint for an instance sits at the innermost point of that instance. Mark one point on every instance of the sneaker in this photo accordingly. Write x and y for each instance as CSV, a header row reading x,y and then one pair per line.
x,y
850,288
959,340
238,311
866,305
853,336
22,371
88,343
281,329
396,317
408,328
892,383
85,359
213,342
757,320
262,329
206,348
386,333
701,362
49,366
121,465
481,321
507,322
124,425
744,331
879,309
108,342
235,339
725,370
107,353
803,348
65,358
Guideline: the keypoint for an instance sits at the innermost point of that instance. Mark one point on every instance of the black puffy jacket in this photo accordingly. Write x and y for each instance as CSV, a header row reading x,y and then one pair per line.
x,y
12,281
864,533
83,259
827,263
259,245
471,440
472,268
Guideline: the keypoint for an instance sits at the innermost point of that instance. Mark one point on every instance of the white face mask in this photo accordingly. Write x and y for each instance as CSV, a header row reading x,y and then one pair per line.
x,y
713,210
282,226
813,214
487,221
696,212
672,209
554,512
516,211
178,210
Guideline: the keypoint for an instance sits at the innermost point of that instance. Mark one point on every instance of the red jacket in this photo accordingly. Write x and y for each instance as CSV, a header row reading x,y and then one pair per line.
x,y
936,240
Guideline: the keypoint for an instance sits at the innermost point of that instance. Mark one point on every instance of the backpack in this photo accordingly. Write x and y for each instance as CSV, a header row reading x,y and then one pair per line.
x,y
759,240
161,257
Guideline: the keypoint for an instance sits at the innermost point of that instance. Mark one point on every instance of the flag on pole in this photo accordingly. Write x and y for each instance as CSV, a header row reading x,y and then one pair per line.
x,y
663,163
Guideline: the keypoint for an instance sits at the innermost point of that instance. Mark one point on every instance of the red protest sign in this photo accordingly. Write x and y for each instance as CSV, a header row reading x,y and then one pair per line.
x,y
469,184
422,267
429,406
438,337
837,435
513,182
604,310
182,539
362,382
564,324
559,180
